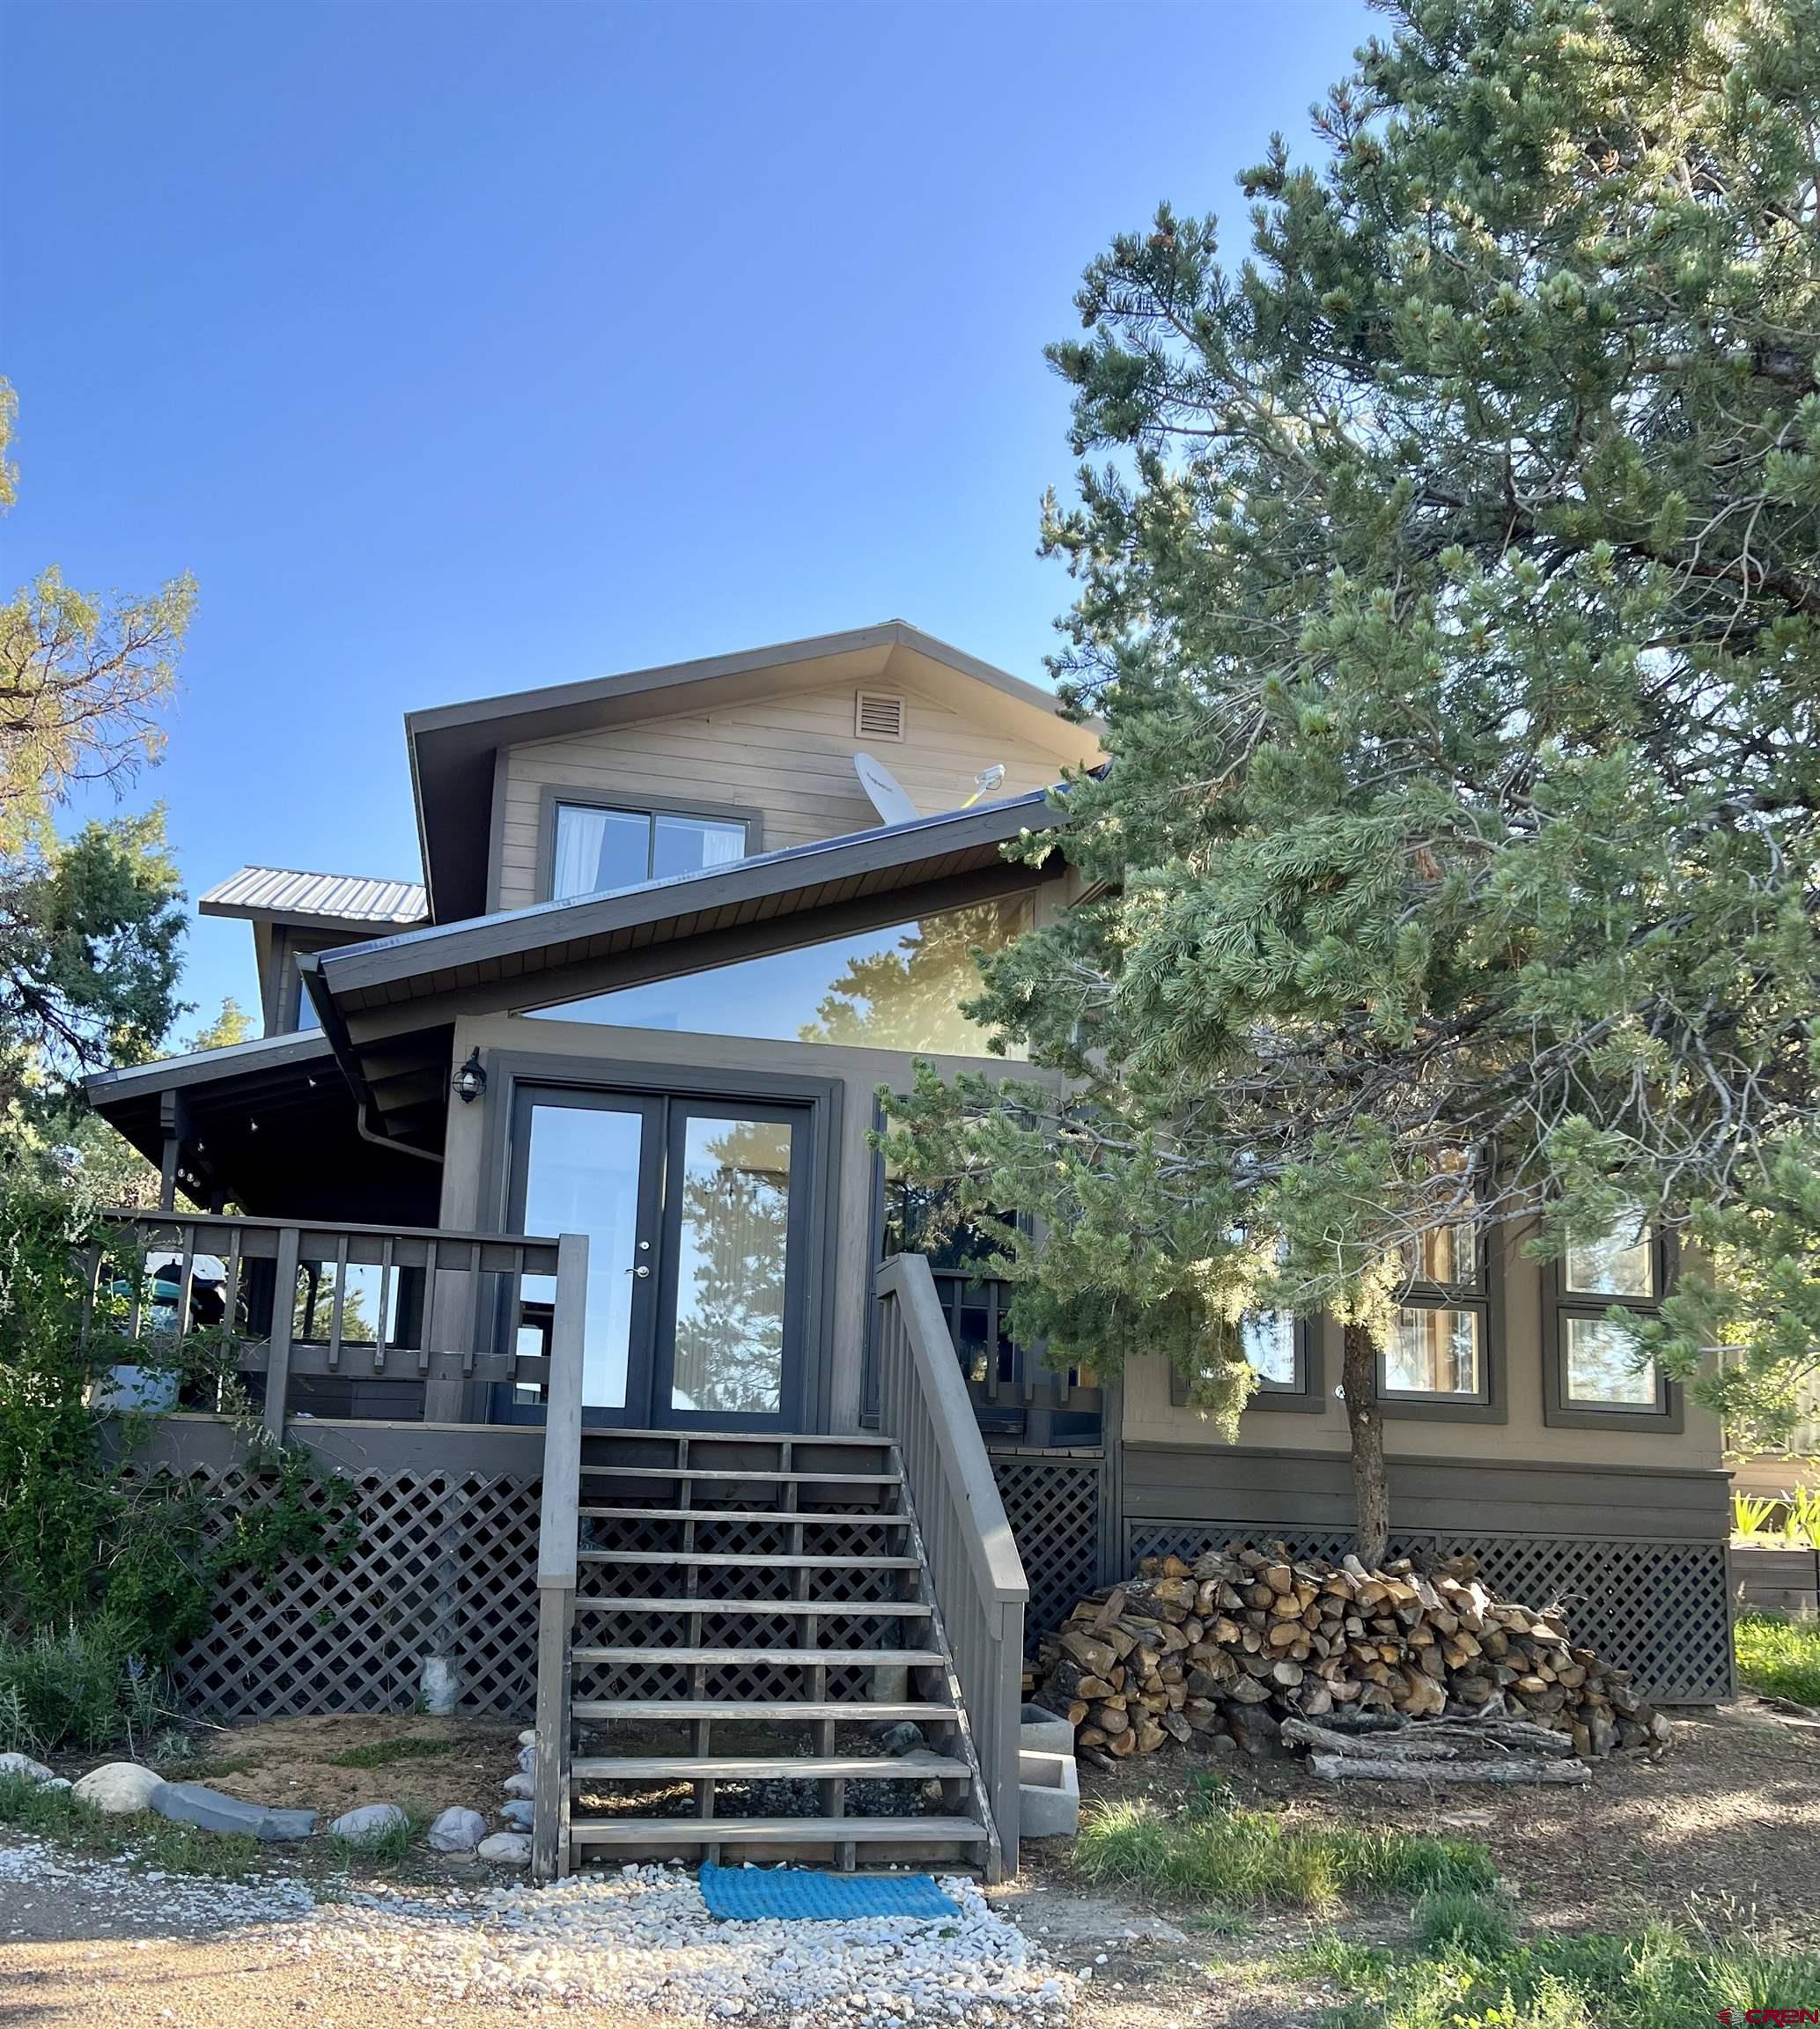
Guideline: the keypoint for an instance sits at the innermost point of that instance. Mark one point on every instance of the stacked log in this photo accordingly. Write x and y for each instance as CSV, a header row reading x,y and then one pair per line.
x,y
1224,1650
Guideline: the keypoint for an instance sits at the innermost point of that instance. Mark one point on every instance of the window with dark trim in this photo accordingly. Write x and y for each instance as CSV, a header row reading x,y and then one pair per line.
x,y
595,847
1284,1352
1600,1284
1439,1346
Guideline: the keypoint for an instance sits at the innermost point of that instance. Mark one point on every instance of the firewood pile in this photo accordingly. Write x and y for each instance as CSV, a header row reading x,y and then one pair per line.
x,y
1255,1649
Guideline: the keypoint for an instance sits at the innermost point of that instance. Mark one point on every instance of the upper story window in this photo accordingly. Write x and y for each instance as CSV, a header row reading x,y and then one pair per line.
x,y
1598,1368
1437,1348
597,847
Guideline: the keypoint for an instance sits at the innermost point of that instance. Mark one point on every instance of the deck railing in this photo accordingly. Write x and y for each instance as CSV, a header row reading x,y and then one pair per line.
x,y
426,1322
973,1563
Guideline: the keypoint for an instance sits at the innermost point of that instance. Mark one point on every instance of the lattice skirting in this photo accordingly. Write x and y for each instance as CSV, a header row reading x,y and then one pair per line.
x,y
1660,1609
1053,1507
446,1565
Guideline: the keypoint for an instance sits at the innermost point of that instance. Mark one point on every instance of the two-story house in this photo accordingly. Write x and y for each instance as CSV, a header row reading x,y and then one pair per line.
x,y
666,950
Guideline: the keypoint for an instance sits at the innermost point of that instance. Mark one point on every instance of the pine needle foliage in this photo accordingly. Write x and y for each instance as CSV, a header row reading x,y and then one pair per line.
x,y
1447,576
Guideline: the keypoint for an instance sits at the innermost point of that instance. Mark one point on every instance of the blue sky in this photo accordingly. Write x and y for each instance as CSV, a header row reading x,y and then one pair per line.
x,y
457,350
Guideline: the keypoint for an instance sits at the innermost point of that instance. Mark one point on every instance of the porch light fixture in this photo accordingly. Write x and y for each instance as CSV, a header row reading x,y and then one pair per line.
x,y
471,1079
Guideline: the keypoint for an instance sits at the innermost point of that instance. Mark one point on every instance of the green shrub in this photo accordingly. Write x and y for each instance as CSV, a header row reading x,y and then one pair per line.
x,y
108,1570
1251,1858
1779,1656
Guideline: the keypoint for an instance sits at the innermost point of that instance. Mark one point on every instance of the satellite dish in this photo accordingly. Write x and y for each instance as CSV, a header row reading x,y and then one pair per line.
x,y
887,797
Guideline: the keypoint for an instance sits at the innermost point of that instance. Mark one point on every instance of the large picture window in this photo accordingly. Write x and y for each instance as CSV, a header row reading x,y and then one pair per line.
x,y
595,849
1438,1349
1604,1284
898,988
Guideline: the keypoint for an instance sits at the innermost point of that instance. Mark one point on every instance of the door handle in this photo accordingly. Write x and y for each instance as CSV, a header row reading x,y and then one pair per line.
x,y
641,1272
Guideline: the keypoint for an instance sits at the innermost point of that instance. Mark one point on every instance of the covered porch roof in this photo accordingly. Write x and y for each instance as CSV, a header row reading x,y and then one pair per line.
x,y
273,1125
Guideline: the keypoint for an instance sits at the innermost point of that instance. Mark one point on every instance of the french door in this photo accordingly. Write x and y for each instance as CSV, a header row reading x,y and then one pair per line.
x,y
697,1212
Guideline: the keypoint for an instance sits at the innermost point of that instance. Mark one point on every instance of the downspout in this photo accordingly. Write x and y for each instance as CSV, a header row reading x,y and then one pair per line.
x,y
385,1141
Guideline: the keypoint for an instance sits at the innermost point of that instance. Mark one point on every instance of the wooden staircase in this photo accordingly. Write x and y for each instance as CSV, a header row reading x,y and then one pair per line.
x,y
748,1611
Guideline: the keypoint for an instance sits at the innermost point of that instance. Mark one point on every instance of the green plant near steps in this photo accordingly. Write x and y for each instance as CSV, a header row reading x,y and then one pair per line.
x,y
1804,1514
109,1570
1248,1859
151,1841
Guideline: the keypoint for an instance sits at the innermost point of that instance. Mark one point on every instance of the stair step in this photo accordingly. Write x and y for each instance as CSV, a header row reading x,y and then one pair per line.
x,y
746,1562
882,1519
754,1767
592,1711
775,1831
803,1659
736,1473
820,1609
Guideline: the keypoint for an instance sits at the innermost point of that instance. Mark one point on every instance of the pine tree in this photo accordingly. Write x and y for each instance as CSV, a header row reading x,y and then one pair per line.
x,y
1449,584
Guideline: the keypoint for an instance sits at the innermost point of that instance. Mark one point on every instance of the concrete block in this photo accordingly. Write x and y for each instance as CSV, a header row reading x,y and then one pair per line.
x,y
1046,1732
1048,1796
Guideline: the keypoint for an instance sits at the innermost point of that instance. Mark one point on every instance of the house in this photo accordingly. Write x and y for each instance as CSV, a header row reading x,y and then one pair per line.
x,y
597,1292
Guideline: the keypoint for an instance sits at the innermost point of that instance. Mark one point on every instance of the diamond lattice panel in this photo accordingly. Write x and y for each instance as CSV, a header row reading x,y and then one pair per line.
x,y
1053,1507
446,1565
1659,1609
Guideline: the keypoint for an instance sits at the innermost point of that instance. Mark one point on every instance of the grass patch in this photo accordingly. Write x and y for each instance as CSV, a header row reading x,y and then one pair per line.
x,y
1214,1852
386,1851
1656,1977
1779,1656
383,1754
1480,1924
143,1838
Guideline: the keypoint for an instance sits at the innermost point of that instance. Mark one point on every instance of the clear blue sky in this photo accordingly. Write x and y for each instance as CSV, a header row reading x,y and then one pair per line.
x,y
457,350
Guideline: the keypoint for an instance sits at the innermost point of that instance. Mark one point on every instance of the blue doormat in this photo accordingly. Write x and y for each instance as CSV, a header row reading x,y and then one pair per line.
x,y
748,1894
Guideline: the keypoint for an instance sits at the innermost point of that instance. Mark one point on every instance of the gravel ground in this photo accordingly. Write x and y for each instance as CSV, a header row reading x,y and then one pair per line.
x,y
638,1942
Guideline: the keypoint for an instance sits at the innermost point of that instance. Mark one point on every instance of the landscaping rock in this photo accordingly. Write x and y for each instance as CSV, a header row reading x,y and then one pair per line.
x,y
527,1758
520,1785
367,1826
903,1736
507,1849
24,1765
193,1803
457,1830
117,1788
518,1813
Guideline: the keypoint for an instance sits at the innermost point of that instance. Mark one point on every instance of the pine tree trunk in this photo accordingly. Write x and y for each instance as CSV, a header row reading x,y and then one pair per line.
x,y
1371,1494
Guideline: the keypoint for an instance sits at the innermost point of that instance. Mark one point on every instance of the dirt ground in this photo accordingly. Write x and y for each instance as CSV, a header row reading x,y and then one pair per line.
x,y
1719,1830
289,1761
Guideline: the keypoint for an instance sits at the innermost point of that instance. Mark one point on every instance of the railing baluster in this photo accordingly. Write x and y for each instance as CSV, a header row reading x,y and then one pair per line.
x,y
338,1305
383,1327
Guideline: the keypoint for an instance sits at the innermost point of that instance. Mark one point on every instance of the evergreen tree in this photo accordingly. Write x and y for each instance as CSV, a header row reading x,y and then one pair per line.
x,y
1449,584
90,926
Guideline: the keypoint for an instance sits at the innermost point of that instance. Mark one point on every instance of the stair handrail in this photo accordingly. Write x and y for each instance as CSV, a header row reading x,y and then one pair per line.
x,y
972,1555
558,1557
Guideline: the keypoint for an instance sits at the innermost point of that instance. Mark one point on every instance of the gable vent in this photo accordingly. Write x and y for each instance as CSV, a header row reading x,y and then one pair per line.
x,y
877,716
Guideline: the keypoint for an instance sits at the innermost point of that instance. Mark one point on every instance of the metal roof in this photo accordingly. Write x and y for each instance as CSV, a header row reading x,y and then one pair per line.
x,y
280,891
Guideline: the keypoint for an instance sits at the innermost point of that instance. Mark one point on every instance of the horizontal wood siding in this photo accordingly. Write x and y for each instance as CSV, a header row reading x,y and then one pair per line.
x,y
789,759
1296,1489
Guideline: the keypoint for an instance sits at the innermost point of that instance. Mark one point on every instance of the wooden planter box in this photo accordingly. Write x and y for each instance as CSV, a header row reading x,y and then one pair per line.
x,y
1777,1580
